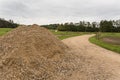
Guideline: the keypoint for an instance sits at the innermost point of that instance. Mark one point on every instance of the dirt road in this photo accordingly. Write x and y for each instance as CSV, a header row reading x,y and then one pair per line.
x,y
93,62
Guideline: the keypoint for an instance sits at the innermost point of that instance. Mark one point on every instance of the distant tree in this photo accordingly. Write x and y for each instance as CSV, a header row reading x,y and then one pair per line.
x,y
51,26
95,28
82,26
7,24
106,26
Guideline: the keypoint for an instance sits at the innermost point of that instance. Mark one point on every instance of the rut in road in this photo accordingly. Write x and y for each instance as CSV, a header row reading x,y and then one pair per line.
x,y
94,63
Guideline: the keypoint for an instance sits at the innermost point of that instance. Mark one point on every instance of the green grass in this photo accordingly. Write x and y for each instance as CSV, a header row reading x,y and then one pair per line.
x,y
64,34
60,34
112,47
110,35
4,30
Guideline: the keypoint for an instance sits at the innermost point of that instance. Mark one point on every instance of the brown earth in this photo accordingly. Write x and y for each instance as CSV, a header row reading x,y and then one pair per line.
x,y
112,40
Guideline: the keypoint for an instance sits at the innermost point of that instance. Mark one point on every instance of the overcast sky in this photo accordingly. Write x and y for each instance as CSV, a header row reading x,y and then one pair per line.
x,y
58,11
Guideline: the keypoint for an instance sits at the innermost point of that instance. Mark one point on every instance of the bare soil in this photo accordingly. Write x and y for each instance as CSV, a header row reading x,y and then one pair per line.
x,y
112,40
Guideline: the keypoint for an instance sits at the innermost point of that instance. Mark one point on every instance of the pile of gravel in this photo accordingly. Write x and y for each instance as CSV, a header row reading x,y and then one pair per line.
x,y
33,53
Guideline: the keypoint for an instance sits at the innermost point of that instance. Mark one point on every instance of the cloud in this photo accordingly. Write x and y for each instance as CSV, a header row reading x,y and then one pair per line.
x,y
55,11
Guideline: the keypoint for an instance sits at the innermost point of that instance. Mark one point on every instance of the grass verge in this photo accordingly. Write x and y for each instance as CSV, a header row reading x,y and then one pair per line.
x,y
112,47
65,34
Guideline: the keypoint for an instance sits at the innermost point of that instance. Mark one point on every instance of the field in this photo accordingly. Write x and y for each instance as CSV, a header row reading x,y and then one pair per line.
x,y
109,41
4,30
64,34
103,43
60,34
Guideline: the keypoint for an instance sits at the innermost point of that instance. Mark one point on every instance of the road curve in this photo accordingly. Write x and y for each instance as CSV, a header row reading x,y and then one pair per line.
x,y
94,62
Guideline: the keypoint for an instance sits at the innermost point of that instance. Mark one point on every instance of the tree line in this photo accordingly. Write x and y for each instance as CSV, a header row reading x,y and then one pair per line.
x,y
7,23
82,26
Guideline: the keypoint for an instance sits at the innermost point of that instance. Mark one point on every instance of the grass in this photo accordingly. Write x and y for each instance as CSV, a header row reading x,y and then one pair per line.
x,y
110,35
112,47
60,34
65,34
4,30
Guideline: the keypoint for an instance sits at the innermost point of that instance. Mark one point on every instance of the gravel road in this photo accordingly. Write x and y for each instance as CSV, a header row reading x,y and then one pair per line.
x,y
93,62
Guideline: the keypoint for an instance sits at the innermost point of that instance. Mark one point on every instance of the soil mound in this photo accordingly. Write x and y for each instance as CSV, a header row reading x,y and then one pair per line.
x,y
32,53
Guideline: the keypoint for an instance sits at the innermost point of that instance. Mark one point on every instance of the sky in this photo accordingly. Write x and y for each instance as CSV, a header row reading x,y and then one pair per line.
x,y
59,11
